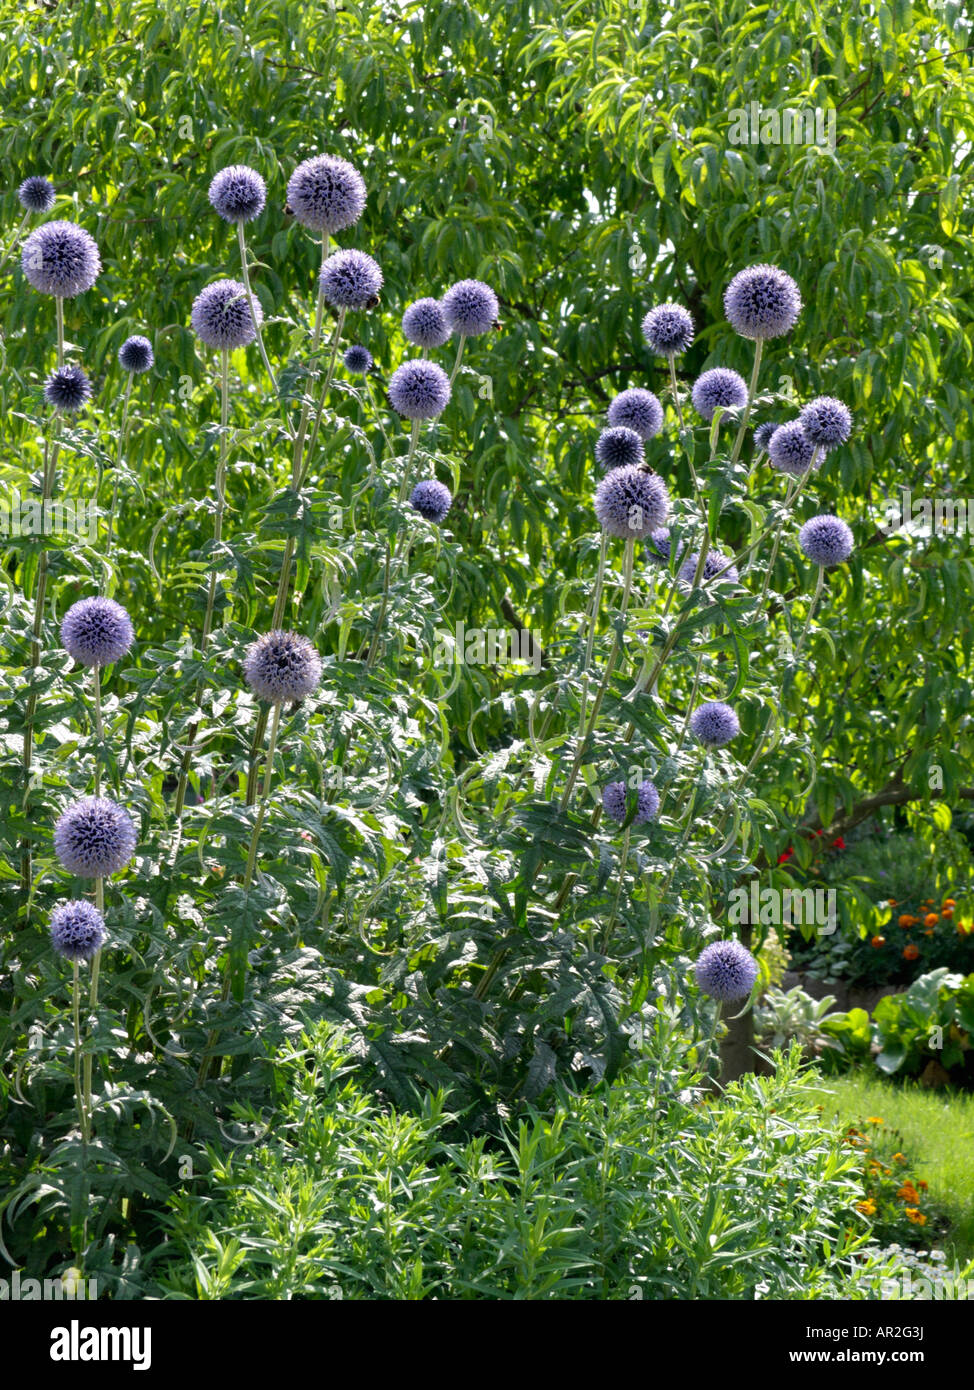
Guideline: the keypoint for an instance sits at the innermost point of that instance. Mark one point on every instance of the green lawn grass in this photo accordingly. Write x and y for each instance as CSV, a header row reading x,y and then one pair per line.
x,y
938,1138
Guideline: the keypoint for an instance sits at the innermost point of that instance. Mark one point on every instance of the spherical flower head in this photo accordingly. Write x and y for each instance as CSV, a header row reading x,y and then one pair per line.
x,y
714,563
790,449
326,193
726,970
350,280
614,799
419,390
238,193
96,631
221,316
431,499
357,359
718,387
631,503
826,421
94,838
668,330
638,410
60,258
763,433
470,307
67,388
619,447
136,355
36,194
77,930
282,667
424,324
659,545
826,540
714,724
762,302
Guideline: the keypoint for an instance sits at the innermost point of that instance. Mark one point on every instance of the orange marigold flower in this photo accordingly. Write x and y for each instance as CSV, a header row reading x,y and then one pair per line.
x,y
949,902
908,1192
922,1184
877,942
931,919
874,1120
947,912
910,952
905,920
898,1158
928,902
917,1217
867,1208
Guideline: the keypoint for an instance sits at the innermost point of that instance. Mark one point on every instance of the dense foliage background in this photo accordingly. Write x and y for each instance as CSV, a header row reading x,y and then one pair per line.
x,y
578,159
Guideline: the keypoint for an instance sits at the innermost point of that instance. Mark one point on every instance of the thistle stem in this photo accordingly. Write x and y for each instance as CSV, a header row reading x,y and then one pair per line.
x,y
245,274
459,357
118,463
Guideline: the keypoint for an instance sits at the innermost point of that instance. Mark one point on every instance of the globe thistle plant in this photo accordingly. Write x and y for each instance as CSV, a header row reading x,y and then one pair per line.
x,y
136,355
61,259
762,302
238,193
431,499
221,316
67,389
726,971
350,280
619,447
77,930
826,422
763,433
714,563
470,308
419,390
631,503
718,388
424,324
826,540
614,802
357,359
326,194
659,546
96,631
36,194
790,450
668,330
282,667
714,724
94,838
637,410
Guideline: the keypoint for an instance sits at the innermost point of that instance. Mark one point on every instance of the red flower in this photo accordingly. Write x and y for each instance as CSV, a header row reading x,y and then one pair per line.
x,y
783,858
839,843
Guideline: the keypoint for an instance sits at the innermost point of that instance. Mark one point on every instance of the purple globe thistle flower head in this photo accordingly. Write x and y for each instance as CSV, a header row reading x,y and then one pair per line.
x,y
659,544
726,970
221,316
638,410
826,421
431,499
351,280
763,433
282,667
357,359
714,563
419,390
326,193
619,447
762,302
96,631
36,194
60,258
470,307
826,540
668,330
424,324
614,797
77,930
720,387
238,193
714,724
94,838
790,449
631,503
67,388
136,355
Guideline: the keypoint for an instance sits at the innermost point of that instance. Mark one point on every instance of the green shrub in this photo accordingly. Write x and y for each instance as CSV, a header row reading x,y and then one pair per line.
x,y
931,1021
751,1195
